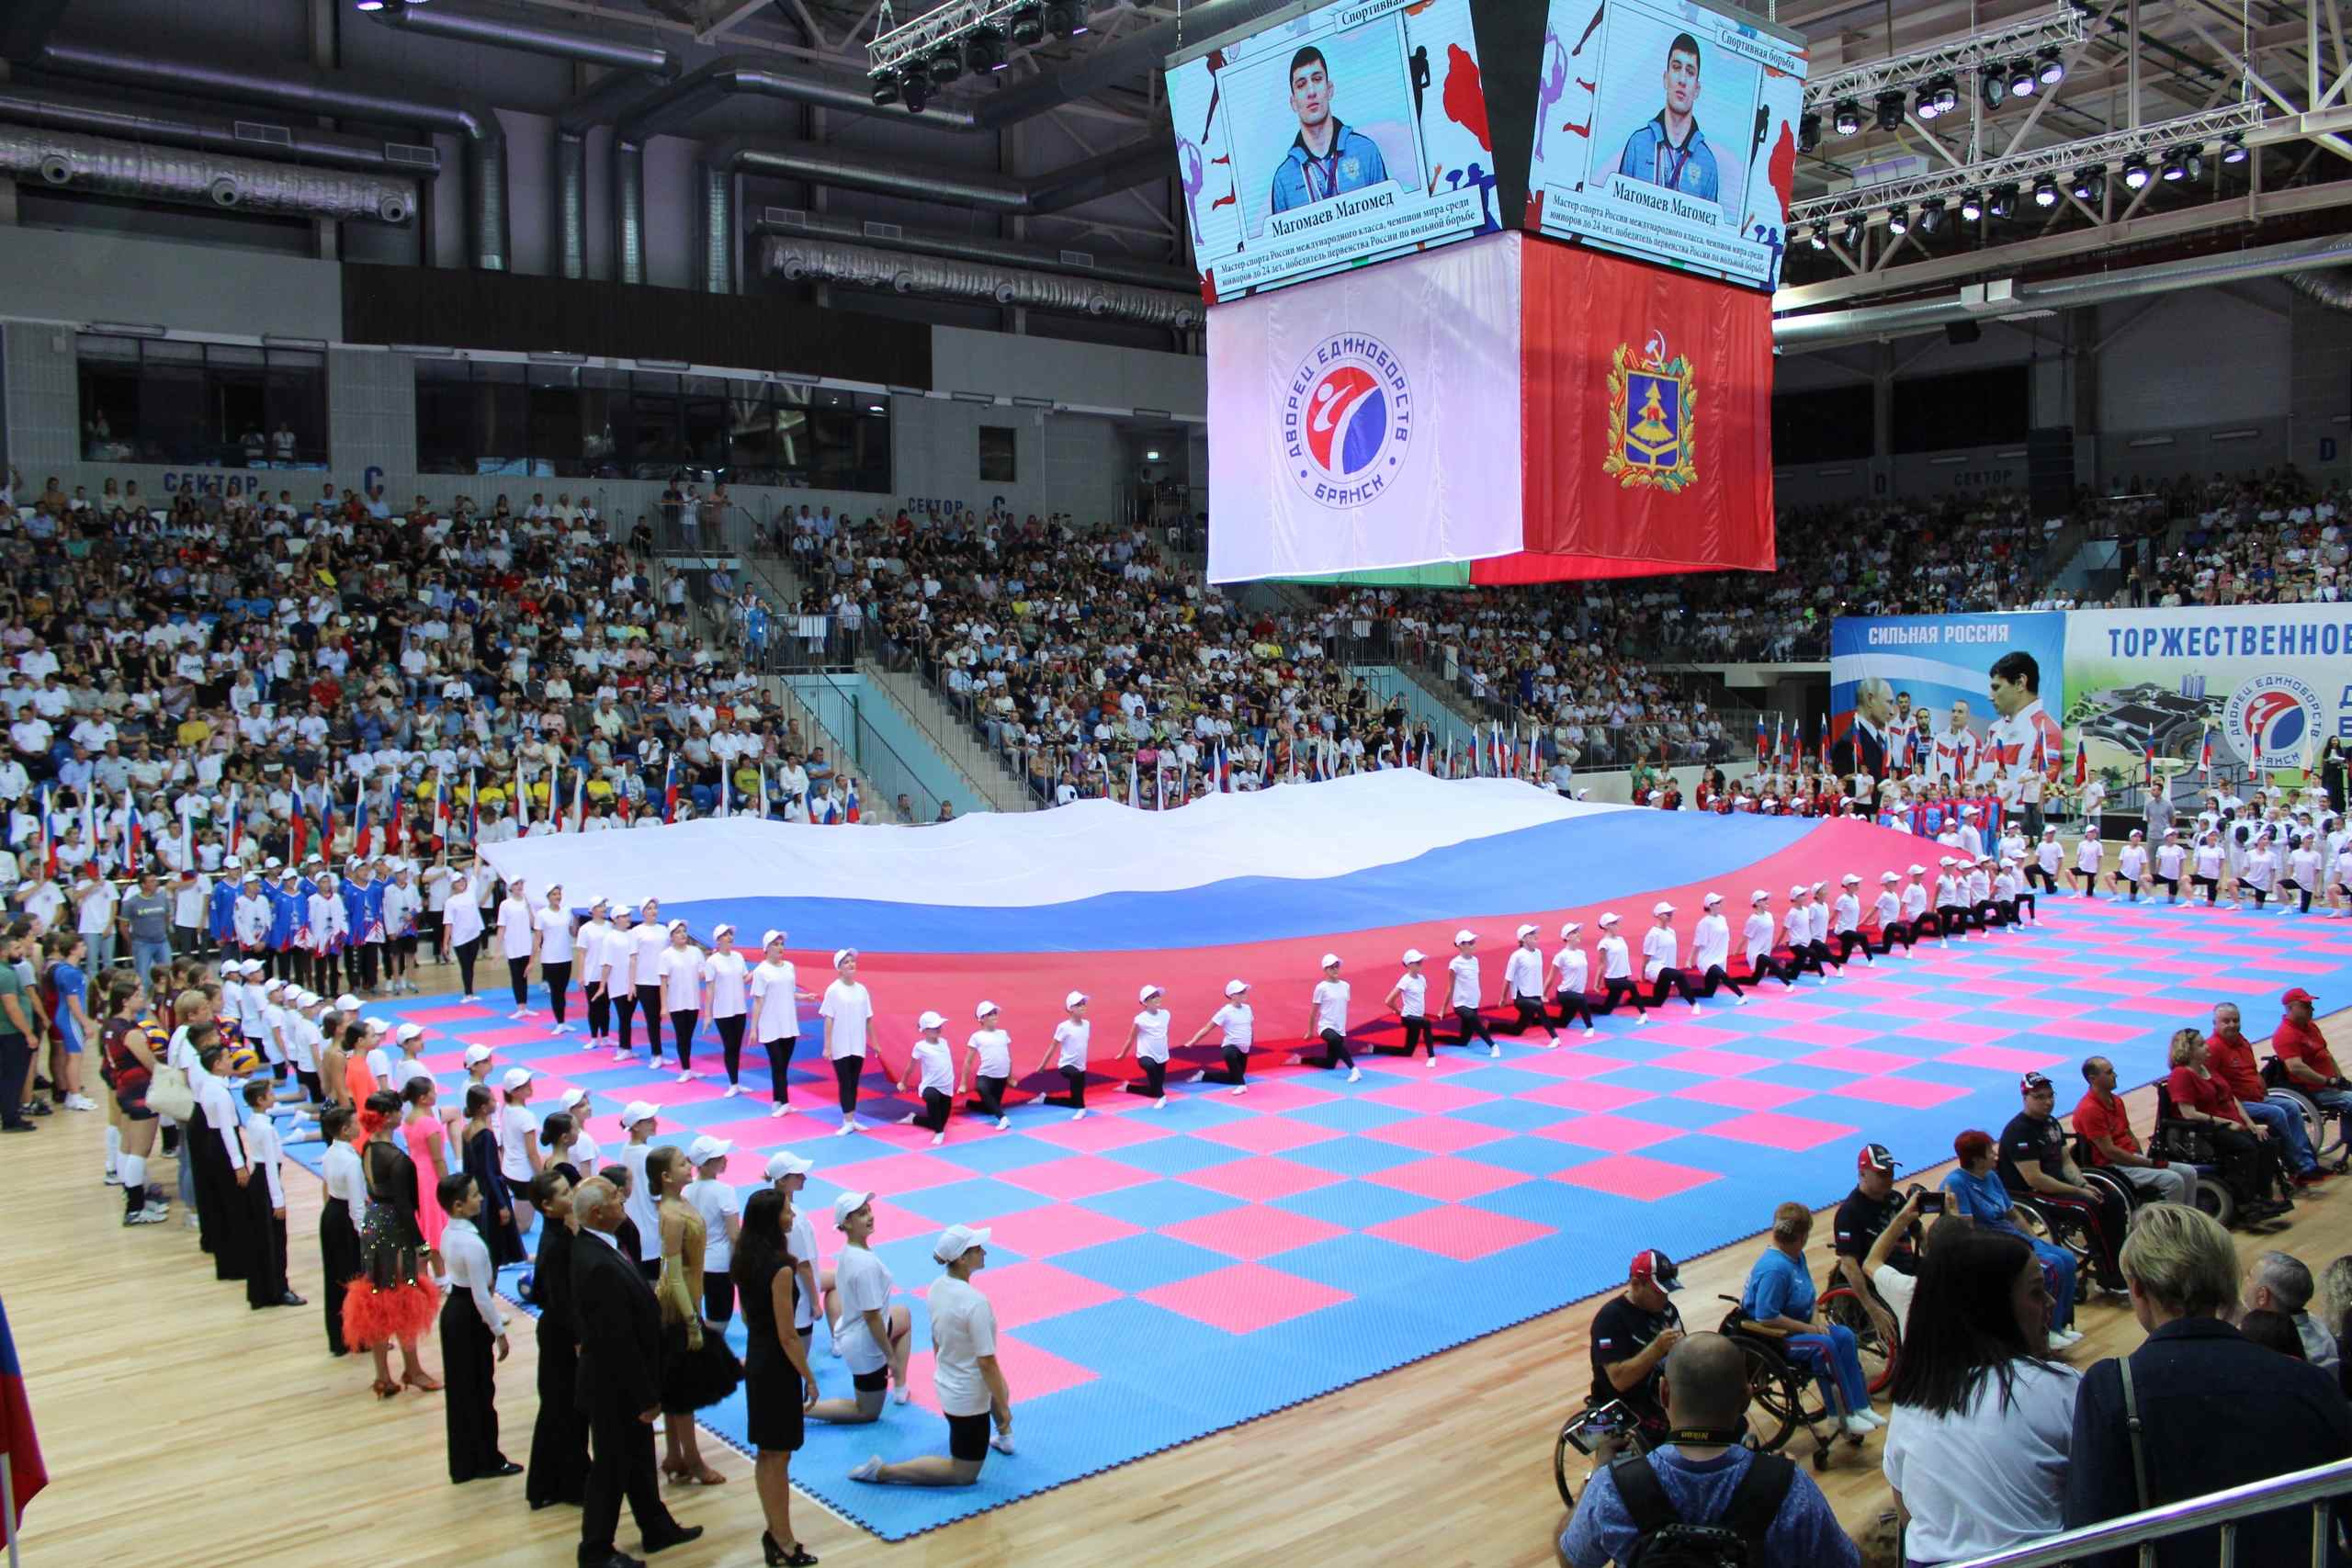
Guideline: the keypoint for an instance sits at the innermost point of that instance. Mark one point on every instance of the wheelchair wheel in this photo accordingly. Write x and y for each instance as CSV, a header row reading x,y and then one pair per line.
x,y
2108,1181
1564,1456
2214,1198
1840,1304
2315,1122
1776,1393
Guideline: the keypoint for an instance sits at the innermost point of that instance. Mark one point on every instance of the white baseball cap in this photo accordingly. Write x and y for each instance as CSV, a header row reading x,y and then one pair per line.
x,y
600,903
638,1111
306,998
1609,919
1465,935
1075,999
707,1149
1799,891
722,926
1760,897
1147,993
768,938
1413,955
1890,877
1710,900
1945,861
681,926
1331,960
1661,908
1919,869
843,956
783,1162
1527,930
515,1079
1820,886
848,1204
957,1240
985,1008
572,1099
931,1021
1235,988
477,1054
1570,930
269,986
1850,880
408,1032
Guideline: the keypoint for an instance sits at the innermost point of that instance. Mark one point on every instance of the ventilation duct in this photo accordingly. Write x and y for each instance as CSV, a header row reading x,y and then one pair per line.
x,y
338,95
1056,190
56,111
206,179
440,22
2330,285
827,261
788,224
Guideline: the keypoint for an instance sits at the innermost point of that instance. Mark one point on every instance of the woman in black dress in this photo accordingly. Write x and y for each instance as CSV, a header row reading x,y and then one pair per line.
x,y
479,1145
777,1383
558,1471
393,1297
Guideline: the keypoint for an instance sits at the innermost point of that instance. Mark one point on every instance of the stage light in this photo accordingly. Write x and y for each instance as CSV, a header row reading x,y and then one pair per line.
x,y
1924,106
1931,216
1853,235
1065,19
885,88
2173,172
2022,80
2045,192
1808,132
1971,208
371,5
917,90
1028,26
983,51
1890,111
1947,95
2002,201
2192,159
1849,120
1898,220
2053,69
2135,173
2234,148
1819,238
1992,85
945,64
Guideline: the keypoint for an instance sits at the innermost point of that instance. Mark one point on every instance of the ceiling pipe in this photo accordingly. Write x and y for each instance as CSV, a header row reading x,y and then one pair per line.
x,y
2331,287
438,21
169,128
1829,329
995,252
111,167
337,95
806,260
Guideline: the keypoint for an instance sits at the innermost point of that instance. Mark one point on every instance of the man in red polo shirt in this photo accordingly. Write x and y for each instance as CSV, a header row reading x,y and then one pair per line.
x,y
2230,1055
2311,1067
2102,1120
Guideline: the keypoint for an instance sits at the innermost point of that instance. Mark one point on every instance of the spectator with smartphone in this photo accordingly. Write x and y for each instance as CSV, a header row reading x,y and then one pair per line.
x,y
1869,1211
1631,1336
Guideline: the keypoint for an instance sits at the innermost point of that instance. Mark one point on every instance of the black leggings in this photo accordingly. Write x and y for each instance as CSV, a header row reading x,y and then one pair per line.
x,y
1530,1015
1235,1068
600,1012
1336,1055
559,983
518,972
1767,965
1950,918
2025,901
1074,1092
780,1052
681,1024
1674,980
1472,1023
990,1100
1821,956
730,1041
846,1075
932,1117
2212,886
466,952
1417,1032
2171,885
1574,1004
1849,943
1621,988
624,1016
649,1003
1894,932
1718,978
2036,876
1155,1079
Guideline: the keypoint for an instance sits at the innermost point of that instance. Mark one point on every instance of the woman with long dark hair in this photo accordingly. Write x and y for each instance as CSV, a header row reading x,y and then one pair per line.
x,y
778,1382
558,1471
478,1153
1976,1447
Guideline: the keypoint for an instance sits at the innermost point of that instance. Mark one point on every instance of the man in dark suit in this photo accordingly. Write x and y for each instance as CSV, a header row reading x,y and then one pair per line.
x,y
1865,748
619,1385
2216,1410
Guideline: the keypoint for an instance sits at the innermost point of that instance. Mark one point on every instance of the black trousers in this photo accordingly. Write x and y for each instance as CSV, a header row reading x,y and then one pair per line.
x,y
339,1264
1336,1055
1472,1022
681,1025
2024,902
649,1003
221,1213
1621,988
1074,1092
16,1071
988,1097
1822,955
1417,1031
2035,876
369,956
2107,1219
731,1043
558,978
1949,919
600,1012
1155,1079
469,1388
187,941
1676,980
1718,978
780,1052
1894,932
266,1243
1848,942
846,1070
1574,1004
1236,1069
558,1469
518,971
719,1295
466,952
2211,884
1530,1014
936,1105
620,1465
624,1015
1767,965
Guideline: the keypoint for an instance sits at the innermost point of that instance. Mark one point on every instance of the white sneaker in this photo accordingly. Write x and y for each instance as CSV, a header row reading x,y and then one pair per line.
x,y
112,1179
1198,1075
520,1012
844,1130
1696,1009
835,1337
1000,1441
1641,1020
1004,1124
1739,1001
732,1090
1354,1076
1240,1088
1159,1104
937,1139
1589,1031
1494,1050
1855,1427
624,1056
1428,1061
469,997
80,1103
870,1470
1080,1117
898,1395
687,1075
778,1110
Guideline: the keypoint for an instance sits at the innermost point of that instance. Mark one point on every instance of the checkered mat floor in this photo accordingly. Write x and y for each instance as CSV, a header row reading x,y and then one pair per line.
x,y
1162,1274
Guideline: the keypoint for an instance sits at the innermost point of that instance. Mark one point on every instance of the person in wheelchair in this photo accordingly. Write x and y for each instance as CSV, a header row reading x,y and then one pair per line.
x,y
1701,1477
1780,1297
1976,1192
2247,1154
1632,1336
2040,1173
2229,1055
2104,1123
2311,1067
1868,1211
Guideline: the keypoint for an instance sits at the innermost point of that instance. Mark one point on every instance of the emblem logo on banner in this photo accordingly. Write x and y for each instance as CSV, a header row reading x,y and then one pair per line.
x,y
1652,419
2270,718
1347,420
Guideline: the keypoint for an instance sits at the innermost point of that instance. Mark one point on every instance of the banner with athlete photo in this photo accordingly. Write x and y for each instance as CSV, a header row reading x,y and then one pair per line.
x,y
1350,133
1998,680
1668,130
1368,421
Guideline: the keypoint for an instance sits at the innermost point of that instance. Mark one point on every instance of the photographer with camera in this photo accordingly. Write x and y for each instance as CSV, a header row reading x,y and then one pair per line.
x,y
1632,1336
1706,1498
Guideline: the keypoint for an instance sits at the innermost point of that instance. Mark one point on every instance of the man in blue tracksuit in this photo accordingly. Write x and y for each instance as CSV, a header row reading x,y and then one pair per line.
x,y
220,910
1669,150
363,901
1327,158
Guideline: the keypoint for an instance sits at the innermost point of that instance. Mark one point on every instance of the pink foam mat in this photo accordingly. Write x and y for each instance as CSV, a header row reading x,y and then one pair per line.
x,y
1636,1176
1449,1179
1245,1297
1050,1229
1612,1135
1078,1176
1035,1372
1741,1094
1437,1134
1259,1179
1462,1234
1912,1093
1779,1130
1252,1231
1267,1134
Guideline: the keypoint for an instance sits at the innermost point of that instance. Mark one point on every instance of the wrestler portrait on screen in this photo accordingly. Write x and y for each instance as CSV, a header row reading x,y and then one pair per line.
x,y
1668,149
1326,159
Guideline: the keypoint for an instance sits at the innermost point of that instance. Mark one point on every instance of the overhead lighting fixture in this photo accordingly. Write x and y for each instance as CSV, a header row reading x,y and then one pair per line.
x,y
2135,173
1947,95
983,51
2022,80
1808,132
1898,220
1931,216
1028,26
1819,238
1971,208
1854,231
1890,111
1849,120
1151,457
2233,148
1925,105
371,5
1065,19
2089,186
885,88
916,89
2001,202
2192,160
2172,171
2051,69
1992,84
876,407
2045,192
945,64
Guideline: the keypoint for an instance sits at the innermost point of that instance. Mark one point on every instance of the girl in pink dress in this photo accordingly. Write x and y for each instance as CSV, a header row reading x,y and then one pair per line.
x,y
421,1129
